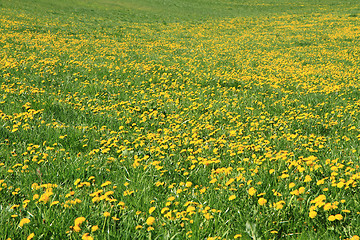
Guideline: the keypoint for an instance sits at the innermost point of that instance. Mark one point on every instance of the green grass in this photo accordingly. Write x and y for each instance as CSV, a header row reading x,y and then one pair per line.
x,y
175,110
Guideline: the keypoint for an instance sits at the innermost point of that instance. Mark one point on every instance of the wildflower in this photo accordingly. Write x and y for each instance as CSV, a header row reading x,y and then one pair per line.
x,y
30,236
213,180
94,228
327,206
231,180
152,209
36,196
232,197
307,178
77,181
312,214
171,198
190,209
252,191
150,220
76,228
106,214
318,199
14,206
54,203
279,205
86,236
105,184
339,217
262,201
295,192
45,197
331,218
79,220
320,182
24,221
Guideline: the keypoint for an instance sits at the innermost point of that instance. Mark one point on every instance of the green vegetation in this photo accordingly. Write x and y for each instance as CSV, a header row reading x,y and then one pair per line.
x,y
179,119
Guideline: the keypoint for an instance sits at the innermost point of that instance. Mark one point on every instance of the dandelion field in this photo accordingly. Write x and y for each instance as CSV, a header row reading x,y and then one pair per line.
x,y
144,120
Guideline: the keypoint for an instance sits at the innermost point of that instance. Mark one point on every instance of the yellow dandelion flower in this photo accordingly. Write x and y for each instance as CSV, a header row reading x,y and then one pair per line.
x,y
23,222
213,180
78,221
279,205
76,228
312,214
188,184
30,236
262,201
54,203
77,181
327,206
87,236
295,192
171,198
307,178
320,182
252,191
150,220
105,184
45,197
232,197
152,209
231,180
339,217
190,209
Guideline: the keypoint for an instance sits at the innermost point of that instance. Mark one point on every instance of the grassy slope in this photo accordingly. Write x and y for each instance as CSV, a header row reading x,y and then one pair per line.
x,y
167,10
95,19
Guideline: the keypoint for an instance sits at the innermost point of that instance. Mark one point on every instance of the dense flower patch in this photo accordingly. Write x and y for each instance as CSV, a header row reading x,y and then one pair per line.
x,y
227,128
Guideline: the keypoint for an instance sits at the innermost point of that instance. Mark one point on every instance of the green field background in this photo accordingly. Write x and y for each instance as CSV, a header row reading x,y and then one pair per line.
x,y
162,119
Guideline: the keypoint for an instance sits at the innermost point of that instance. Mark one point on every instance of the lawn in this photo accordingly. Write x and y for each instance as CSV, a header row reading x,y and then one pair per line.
x,y
162,119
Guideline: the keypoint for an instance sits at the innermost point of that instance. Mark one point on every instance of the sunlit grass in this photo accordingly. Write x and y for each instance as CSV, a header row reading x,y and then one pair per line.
x,y
144,124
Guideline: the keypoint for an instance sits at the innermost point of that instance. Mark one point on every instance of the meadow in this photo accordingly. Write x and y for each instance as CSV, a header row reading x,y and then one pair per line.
x,y
179,119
